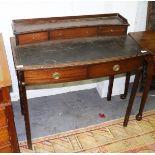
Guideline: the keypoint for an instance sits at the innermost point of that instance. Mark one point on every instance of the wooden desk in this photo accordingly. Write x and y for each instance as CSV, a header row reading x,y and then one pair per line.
x,y
146,39
72,60
35,30
8,137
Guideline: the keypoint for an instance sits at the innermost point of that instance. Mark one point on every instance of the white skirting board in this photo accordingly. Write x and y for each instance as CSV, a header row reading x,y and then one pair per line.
x,y
102,88
118,86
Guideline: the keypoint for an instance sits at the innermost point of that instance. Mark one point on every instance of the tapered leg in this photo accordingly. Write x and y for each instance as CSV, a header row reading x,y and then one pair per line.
x,y
149,77
144,97
20,93
26,118
144,77
127,81
25,109
110,87
132,96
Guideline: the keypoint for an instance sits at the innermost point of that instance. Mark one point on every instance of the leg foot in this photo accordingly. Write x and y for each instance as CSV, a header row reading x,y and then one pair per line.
x,y
109,98
122,96
125,124
127,81
139,117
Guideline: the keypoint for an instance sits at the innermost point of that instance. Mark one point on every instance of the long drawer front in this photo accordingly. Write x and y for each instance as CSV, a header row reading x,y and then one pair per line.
x,y
69,74
55,75
114,67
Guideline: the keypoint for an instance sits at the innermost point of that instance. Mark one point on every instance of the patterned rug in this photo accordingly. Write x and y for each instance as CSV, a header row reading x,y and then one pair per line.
x,y
138,136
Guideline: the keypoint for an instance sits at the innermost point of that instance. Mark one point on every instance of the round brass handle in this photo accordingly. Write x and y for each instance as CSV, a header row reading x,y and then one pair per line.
x,y
116,68
56,76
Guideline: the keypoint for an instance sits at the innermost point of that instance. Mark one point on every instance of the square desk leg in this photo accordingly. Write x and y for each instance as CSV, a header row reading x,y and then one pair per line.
x,y
127,81
110,87
20,90
24,107
150,73
132,97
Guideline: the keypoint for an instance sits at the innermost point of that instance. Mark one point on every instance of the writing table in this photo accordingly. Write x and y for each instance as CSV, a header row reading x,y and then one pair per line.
x,y
27,31
146,39
72,60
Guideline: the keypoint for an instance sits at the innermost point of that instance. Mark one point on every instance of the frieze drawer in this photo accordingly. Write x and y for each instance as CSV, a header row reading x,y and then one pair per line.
x,y
55,75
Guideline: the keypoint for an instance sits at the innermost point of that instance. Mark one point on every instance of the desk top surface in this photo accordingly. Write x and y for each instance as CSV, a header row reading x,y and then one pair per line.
x,y
146,39
4,69
71,52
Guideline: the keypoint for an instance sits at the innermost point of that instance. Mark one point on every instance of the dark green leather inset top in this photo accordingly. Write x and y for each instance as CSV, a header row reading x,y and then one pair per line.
x,y
76,50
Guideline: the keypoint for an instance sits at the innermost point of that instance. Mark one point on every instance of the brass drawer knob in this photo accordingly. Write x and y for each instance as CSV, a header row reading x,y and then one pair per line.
x,y
116,68
56,75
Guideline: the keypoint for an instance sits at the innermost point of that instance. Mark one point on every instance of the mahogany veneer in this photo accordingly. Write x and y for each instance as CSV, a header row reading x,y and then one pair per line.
x,y
42,29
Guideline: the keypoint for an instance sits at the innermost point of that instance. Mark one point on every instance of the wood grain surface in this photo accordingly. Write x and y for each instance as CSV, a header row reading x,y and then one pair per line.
x,y
4,69
8,136
21,26
146,39
37,30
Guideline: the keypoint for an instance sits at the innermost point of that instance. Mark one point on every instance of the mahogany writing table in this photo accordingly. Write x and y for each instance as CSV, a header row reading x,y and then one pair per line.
x,y
34,30
146,39
72,60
